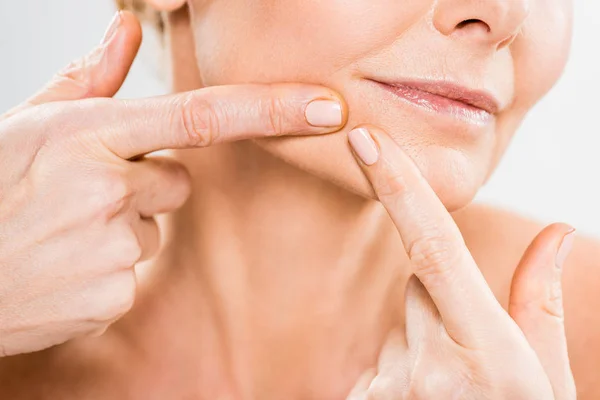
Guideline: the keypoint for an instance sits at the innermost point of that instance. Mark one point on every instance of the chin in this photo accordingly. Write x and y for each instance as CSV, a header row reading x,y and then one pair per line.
x,y
453,176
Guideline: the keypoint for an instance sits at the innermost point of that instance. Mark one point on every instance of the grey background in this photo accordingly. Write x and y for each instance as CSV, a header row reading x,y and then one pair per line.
x,y
550,173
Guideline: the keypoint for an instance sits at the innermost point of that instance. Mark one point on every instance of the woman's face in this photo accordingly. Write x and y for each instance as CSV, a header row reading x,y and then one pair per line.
x,y
450,80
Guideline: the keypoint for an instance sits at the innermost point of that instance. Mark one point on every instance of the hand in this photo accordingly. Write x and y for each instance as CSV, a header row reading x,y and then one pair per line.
x,y
459,342
78,195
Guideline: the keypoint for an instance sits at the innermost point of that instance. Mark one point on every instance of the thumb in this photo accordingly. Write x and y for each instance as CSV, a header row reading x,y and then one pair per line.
x,y
98,74
536,304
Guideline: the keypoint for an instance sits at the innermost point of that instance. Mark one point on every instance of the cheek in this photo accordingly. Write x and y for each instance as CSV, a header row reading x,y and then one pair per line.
x,y
541,54
318,41
302,40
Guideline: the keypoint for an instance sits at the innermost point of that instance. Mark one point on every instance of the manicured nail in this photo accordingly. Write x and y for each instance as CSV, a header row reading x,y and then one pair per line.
x,y
112,28
324,113
565,248
364,146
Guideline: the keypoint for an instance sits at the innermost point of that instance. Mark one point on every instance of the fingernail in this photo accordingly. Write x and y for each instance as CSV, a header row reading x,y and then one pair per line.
x,y
324,113
112,28
364,146
565,248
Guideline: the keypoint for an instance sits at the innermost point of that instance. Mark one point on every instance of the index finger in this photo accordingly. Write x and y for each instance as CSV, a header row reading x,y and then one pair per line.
x,y
432,240
220,114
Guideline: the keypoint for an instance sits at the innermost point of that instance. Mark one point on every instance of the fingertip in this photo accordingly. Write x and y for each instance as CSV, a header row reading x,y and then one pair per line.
x,y
387,167
120,51
127,40
364,146
565,247
379,135
545,248
324,113
558,230
123,28
372,144
131,24
336,96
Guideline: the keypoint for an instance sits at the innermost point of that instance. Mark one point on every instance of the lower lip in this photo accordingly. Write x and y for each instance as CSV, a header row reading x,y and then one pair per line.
x,y
439,104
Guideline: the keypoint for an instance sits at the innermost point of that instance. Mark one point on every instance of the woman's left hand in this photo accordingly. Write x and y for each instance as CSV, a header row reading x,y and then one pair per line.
x,y
459,343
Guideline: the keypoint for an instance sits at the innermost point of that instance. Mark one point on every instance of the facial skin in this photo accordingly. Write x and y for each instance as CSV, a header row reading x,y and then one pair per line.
x,y
512,50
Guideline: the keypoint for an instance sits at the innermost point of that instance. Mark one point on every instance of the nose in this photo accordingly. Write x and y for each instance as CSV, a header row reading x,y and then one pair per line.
x,y
490,22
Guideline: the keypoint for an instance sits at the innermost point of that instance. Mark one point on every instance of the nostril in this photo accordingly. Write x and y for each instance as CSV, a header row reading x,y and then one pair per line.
x,y
469,22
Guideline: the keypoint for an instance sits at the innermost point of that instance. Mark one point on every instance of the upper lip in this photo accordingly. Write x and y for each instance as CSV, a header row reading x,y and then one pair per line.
x,y
475,98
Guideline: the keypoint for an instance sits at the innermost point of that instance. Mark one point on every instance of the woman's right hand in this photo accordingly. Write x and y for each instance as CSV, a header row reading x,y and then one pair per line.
x,y
78,196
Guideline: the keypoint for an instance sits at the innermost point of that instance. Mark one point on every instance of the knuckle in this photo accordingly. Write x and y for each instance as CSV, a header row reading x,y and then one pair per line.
x,y
125,293
433,256
278,112
541,300
390,185
437,383
77,75
49,121
59,121
553,302
200,121
109,194
128,250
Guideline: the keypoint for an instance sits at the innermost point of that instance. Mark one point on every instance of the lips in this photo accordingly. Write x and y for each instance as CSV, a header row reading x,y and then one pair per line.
x,y
475,107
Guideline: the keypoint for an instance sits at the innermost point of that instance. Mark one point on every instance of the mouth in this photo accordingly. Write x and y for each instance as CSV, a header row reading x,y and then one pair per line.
x,y
471,106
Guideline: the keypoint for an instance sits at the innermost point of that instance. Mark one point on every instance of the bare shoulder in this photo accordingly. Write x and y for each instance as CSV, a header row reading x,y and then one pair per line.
x,y
497,239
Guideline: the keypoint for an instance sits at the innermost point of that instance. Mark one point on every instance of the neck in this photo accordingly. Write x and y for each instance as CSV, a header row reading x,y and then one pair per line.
x,y
274,272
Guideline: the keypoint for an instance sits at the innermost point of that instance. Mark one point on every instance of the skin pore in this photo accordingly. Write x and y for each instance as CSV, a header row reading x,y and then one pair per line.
x,y
280,277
